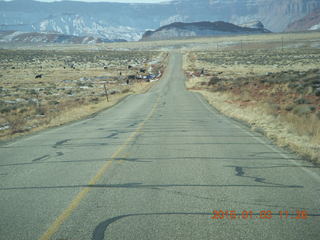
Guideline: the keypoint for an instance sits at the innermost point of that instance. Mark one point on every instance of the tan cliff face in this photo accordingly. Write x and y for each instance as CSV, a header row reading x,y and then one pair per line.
x,y
129,21
277,14
309,22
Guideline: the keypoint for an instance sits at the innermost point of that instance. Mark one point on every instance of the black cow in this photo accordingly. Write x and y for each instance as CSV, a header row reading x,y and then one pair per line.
x,y
39,76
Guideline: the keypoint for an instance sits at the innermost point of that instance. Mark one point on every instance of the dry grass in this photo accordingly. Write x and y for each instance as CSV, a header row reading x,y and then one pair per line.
x,y
71,111
71,86
287,131
276,91
267,41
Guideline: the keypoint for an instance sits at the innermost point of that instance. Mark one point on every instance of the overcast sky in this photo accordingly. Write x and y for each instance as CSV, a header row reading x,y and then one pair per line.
x,y
127,1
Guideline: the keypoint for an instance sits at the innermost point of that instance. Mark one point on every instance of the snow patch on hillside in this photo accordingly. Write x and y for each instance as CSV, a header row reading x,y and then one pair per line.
x,y
86,26
315,27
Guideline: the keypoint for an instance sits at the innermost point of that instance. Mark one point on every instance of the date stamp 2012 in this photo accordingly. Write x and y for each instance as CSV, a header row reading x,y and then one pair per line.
x,y
263,214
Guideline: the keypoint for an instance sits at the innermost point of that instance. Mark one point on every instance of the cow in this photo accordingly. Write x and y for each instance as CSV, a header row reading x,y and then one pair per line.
x,y
38,76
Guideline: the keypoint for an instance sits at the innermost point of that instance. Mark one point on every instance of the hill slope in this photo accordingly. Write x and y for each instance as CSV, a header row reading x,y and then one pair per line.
x,y
199,29
309,22
34,37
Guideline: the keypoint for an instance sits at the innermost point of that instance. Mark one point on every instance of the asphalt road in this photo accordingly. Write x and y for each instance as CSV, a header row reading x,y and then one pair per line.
x,y
156,166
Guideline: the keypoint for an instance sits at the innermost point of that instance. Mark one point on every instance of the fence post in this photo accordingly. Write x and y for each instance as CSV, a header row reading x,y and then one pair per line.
x,y
106,92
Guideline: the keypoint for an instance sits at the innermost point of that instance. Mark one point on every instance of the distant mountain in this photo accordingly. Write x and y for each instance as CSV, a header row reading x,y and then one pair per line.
x,y
33,37
253,24
129,21
200,29
309,22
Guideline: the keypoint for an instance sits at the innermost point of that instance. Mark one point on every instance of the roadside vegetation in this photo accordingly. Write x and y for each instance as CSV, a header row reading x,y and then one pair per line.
x,y
44,88
275,90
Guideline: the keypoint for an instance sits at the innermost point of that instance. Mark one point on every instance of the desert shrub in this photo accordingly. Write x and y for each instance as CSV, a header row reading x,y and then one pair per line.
x,y
300,89
16,122
289,108
312,108
272,108
54,102
80,100
221,89
80,84
7,109
40,111
23,110
94,100
115,91
302,101
315,81
302,110
126,90
293,85
33,92
214,80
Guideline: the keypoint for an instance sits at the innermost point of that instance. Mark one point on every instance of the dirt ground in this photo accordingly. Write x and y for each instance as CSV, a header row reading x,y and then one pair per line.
x,y
41,88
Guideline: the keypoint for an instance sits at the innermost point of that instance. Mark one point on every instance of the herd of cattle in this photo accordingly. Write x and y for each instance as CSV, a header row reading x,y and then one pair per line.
x,y
142,74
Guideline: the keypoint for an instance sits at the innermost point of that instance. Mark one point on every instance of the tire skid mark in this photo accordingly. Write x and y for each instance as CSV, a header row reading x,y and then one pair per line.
x,y
241,173
100,230
60,143
74,204
112,135
59,154
41,158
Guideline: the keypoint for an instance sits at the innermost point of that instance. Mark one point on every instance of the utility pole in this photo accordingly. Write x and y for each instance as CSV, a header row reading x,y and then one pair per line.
x,y
105,90
282,44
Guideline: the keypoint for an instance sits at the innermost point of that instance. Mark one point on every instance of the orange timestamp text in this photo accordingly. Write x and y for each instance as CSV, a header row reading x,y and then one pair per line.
x,y
264,214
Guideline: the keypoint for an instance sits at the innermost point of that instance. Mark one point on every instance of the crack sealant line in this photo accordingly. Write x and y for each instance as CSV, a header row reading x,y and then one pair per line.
x,y
271,147
54,227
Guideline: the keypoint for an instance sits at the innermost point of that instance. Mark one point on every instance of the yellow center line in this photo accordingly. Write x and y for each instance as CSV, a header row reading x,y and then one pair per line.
x,y
54,227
